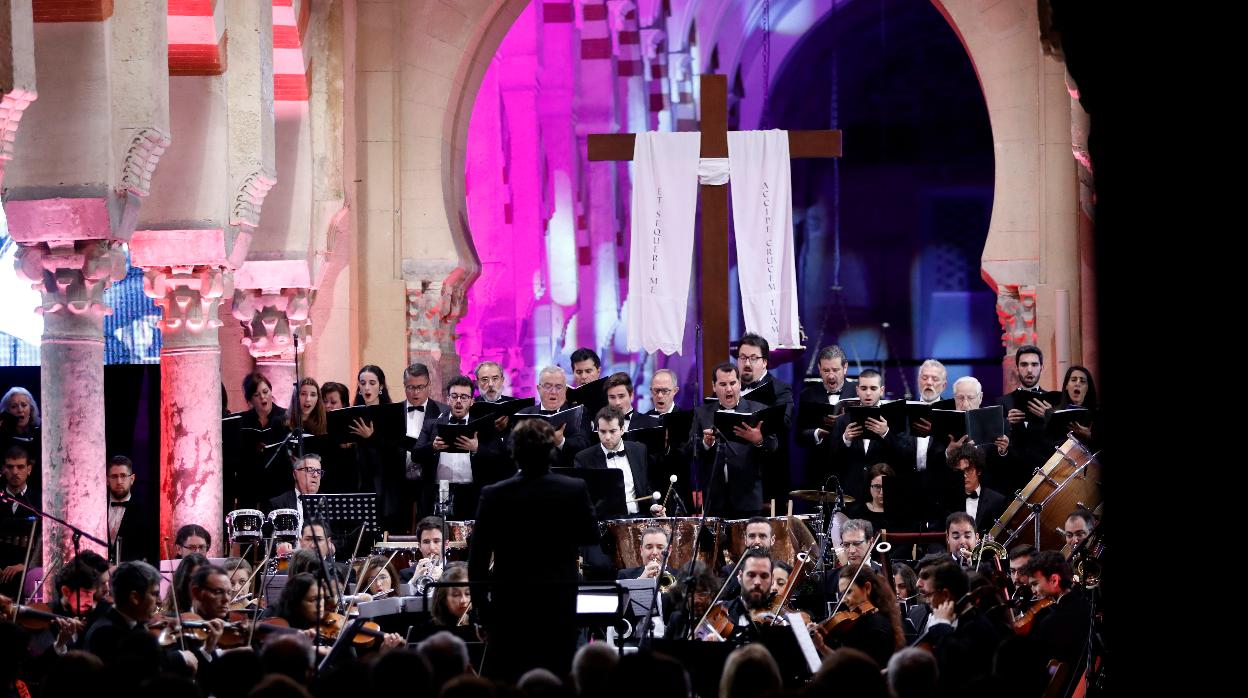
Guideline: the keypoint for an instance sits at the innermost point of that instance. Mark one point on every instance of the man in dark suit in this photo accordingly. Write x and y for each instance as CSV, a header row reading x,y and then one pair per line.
x,y
753,355
123,628
654,542
15,520
1061,629
856,447
628,457
128,520
552,389
422,412
1000,462
620,398
983,504
1029,444
920,458
490,389
675,460
485,461
307,474
832,388
731,472
529,613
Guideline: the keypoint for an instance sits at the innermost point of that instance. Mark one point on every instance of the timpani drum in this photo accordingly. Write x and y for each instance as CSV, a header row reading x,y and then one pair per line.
x,y
1070,479
287,525
681,530
405,553
457,540
244,526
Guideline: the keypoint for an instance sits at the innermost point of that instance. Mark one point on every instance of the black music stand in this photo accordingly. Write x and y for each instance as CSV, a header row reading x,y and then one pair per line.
x,y
344,512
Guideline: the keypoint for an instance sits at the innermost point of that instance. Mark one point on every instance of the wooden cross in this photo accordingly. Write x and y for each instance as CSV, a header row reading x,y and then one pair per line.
x,y
713,295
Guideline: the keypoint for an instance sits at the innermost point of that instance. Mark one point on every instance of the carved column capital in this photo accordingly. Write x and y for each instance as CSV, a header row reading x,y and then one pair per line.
x,y
72,275
270,317
1016,310
189,298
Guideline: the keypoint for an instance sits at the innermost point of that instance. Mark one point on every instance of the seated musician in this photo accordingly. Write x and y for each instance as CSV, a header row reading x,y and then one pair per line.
x,y
654,542
960,537
429,534
1078,525
780,571
1062,628
210,602
629,457
240,580
307,473
1020,556
178,596
705,585
452,604
758,534
378,577
967,624
754,580
877,628
191,538
75,600
303,603
317,534
136,594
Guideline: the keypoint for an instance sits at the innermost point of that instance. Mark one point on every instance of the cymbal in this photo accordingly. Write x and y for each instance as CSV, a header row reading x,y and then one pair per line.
x,y
816,495
802,538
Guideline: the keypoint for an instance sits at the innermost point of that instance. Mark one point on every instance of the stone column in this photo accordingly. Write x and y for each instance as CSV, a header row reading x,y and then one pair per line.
x,y
185,272
72,276
435,304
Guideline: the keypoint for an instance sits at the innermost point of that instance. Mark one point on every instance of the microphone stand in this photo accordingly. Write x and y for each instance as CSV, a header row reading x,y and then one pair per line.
x,y
647,625
697,539
79,534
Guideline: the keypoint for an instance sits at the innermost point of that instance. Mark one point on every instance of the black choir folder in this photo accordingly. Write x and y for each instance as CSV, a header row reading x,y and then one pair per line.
x,y
1060,420
983,425
674,430
900,414
560,418
592,395
771,417
810,414
389,421
449,433
502,408
1022,396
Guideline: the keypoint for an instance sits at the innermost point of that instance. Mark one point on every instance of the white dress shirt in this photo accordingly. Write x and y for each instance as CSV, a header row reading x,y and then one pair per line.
x,y
115,515
415,422
621,463
972,503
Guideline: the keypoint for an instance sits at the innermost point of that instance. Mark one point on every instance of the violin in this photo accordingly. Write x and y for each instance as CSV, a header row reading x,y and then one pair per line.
x,y
1023,625
32,617
329,629
841,622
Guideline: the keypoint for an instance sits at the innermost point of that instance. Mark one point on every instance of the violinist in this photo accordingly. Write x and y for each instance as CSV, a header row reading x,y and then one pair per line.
x,y
1020,558
240,580
452,604
755,596
76,584
1062,628
780,571
210,602
379,576
181,586
303,603
871,619
705,585
136,595
966,626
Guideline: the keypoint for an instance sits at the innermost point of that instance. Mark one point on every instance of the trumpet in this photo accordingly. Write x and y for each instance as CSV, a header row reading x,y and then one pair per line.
x,y
432,574
667,580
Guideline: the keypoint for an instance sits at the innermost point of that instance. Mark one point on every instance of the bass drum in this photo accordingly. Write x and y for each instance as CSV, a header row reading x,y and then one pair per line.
x,y
624,535
1070,479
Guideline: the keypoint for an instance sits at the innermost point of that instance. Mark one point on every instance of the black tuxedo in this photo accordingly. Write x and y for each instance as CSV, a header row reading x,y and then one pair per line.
x,y
1030,448
776,479
524,575
926,494
491,463
112,639
817,393
14,534
742,495
991,506
1062,629
675,462
575,436
630,572
422,449
137,533
850,463
638,463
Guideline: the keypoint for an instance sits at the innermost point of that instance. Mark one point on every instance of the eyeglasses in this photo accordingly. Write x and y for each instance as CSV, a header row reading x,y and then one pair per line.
x,y
457,397
195,548
416,388
312,472
877,487
490,379
853,543
552,387
661,391
749,359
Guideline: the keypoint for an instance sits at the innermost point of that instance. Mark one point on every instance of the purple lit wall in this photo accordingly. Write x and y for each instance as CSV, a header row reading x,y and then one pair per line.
x,y
550,227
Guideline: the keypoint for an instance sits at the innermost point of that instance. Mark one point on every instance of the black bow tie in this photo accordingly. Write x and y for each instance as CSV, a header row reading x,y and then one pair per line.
x,y
459,421
119,504
832,393
615,454
972,495
415,408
